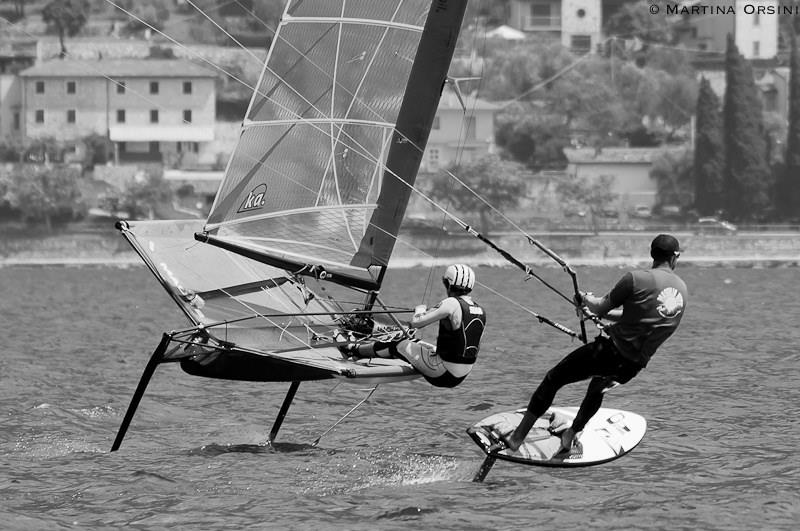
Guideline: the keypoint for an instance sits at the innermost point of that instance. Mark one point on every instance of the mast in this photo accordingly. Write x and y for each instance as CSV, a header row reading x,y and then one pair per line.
x,y
415,118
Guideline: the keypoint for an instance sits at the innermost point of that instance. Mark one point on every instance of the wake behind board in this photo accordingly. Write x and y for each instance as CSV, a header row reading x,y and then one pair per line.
x,y
610,434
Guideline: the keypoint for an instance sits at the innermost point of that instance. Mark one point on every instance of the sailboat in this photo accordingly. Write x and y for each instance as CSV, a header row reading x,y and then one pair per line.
x,y
312,199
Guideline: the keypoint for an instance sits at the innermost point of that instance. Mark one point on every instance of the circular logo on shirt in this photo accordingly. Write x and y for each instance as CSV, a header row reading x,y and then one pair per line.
x,y
670,302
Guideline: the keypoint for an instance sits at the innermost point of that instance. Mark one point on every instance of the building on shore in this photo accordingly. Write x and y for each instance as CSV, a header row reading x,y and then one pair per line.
x,y
577,24
627,168
153,110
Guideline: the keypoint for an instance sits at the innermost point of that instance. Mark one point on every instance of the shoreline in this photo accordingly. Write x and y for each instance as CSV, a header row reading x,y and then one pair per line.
x,y
409,263
605,249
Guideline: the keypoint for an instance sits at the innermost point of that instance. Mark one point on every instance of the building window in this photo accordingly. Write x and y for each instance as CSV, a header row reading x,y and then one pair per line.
x,y
436,124
16,121
581,13
71,116
433,158
187,87
187,116
40,87
153,147
756,48
122,147
581,43
756,20
120,87
470,128
154,116
40,116
540,15
154,87
70,87
120,116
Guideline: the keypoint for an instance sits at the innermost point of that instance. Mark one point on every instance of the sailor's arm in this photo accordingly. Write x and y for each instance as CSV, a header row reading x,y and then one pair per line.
x,y
600,306
423,317
609,306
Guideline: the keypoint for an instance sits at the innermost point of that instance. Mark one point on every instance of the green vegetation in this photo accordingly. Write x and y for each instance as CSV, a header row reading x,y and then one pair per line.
x,y
788,187
65,17
709,159
42,193
748,179
499,182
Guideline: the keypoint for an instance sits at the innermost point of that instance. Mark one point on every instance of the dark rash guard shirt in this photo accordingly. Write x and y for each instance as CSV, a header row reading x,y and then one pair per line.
x,y
653,302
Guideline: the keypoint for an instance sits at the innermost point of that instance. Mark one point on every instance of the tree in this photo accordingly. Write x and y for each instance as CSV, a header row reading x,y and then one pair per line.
x,y
709,153
532,138
634,20
147,13
595,195
673,175
498,180
42,193
748,180
144,194
789,185
65,17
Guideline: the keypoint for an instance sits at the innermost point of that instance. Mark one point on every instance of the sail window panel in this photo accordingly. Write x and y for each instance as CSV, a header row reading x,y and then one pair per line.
x,y
411,12
402,11
299,78
368,76
322,236
372,73
315,8
359,162
294,163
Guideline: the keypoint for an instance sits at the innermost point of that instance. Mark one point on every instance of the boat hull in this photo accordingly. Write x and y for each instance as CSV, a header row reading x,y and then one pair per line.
x,y
249,367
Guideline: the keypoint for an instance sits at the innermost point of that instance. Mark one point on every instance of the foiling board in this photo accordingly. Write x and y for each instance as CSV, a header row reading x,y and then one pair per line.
x,y
610,434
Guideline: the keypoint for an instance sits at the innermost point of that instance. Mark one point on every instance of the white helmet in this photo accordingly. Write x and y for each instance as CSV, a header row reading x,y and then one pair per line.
x,y
459,276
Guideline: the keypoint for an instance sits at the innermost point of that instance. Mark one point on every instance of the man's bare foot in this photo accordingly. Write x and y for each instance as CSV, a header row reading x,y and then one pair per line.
x,y
513,442
568,440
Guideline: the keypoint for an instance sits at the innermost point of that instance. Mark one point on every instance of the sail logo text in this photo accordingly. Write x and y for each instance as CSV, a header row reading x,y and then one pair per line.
x,y
256,199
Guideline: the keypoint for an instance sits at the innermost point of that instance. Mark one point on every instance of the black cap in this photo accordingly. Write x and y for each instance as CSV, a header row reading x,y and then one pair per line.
x,y
665,244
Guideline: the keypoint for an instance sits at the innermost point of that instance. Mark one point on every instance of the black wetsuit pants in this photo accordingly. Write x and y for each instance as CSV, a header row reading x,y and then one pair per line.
x,y
599,360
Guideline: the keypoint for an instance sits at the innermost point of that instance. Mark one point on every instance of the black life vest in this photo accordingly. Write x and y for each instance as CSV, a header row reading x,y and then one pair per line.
x,y
462,344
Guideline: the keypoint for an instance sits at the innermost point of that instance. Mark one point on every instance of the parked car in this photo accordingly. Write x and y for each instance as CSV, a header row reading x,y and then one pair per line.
x,y
712,225
671,211
573,210
641,211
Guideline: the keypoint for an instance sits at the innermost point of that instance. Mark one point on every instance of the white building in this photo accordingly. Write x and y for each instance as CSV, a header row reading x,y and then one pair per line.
x,y
152,110
576,23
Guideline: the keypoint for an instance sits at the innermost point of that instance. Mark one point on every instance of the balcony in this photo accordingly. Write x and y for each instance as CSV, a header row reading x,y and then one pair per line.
x,y
531,23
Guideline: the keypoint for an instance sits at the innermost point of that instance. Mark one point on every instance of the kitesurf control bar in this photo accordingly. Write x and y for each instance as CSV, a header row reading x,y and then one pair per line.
x,y
528,271
568,270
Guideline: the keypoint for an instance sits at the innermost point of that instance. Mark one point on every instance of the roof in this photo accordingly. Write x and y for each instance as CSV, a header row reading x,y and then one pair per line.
x,y
149,68
449,100
507,32
618,155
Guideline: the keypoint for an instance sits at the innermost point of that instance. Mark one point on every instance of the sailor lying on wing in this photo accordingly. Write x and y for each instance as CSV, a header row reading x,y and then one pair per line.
x,y
461,323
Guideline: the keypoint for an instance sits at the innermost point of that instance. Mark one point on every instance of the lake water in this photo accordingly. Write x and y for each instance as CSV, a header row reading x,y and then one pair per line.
x,y
722,400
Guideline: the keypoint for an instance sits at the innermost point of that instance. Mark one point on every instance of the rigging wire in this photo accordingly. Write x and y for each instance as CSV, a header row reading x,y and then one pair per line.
x,y
316,442
368,155
461,223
